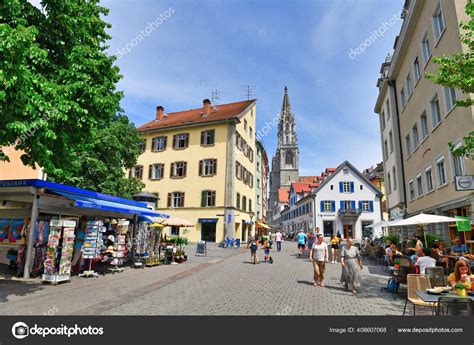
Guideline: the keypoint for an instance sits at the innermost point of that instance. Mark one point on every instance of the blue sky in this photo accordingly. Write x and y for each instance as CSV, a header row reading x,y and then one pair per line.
x,y
304,44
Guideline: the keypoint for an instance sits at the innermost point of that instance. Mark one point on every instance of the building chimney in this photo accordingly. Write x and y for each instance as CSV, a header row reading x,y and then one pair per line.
x,y
160,111
206,106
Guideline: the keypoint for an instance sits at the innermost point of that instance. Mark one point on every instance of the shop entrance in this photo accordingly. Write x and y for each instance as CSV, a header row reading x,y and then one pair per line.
x,y
208,232
328,227
348,231
243,232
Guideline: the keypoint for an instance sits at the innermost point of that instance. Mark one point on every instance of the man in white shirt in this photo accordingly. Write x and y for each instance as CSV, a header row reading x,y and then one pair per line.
x,y
278,239
425,261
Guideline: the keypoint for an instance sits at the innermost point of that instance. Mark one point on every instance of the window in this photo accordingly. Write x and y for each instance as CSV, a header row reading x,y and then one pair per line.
x,y
390,137
394,177
361,187
345,171
385,149
158,144
174,231
156,171
178,169
207,167
138,172
258,166
348,205
438,22
258,183
382,116
441,171
411,190
180,141
387,107
245,124
289,158
424,125
176,199
435,111
250,132
244,203
332,187
258,201
238,170
250,205
450,98
416,140
416,69
389,184
208,198
429,180
328,206
402,98
346,187
458,164
409,85
408,144
365,206
142,145
208,137
426,48
419,185
238,200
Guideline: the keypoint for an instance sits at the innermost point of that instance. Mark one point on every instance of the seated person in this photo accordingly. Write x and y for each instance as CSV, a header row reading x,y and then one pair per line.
x,y
425,260
441,253
458,249
394,253
461,275
413,255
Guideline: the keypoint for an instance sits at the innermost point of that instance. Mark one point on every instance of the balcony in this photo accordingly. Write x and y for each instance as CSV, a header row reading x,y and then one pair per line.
x,y
349,213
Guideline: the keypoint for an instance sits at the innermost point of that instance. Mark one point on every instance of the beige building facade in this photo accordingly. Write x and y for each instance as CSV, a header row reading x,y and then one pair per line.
x,y
201,165
424,116
15,169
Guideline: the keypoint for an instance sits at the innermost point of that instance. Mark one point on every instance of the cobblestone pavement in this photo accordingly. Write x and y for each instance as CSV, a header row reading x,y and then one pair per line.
x,y
236,287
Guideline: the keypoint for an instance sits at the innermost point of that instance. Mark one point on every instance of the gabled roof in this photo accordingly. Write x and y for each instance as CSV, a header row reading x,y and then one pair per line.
x,y
283,195
308,179
355,171
222,112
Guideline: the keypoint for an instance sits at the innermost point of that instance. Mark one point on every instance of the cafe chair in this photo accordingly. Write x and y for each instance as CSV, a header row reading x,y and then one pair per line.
x,y
453,306
416,282
436,275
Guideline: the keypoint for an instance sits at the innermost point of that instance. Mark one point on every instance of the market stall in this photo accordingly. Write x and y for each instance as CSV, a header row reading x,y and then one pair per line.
x,y
46,227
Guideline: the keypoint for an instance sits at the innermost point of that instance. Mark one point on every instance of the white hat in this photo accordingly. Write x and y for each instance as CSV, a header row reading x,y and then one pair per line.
x,y
112,238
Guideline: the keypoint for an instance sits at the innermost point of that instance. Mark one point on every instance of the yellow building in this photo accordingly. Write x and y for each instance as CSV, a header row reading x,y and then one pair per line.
x,y
201,165
15,169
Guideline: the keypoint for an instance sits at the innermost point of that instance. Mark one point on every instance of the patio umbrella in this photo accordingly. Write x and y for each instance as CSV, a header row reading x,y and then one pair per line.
x,y
423,219
177,222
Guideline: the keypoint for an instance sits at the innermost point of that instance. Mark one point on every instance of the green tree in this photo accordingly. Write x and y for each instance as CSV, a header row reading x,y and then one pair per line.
x,y
457,71
58,92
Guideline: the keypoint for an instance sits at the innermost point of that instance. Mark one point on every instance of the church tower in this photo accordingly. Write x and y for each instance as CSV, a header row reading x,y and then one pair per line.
x,y
285,162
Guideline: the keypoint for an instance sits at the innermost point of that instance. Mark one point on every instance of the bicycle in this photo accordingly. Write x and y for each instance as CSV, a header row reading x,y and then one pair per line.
x,y
229,241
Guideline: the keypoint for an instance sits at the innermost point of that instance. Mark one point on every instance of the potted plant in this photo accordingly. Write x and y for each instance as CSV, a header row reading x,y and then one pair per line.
x,y
179,256
396,263
461,289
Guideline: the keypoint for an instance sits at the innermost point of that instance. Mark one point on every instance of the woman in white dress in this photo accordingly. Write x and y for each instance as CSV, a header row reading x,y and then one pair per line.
x,y
351,265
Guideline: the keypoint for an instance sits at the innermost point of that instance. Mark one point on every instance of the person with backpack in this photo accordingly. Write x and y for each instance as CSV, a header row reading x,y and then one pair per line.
x,y
253,252
266,247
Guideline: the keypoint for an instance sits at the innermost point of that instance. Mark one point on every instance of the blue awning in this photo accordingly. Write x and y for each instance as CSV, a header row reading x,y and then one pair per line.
x,y
109,206
207,220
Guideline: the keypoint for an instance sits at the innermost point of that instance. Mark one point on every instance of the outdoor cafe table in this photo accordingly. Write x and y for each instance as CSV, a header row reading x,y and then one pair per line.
x,y
433,299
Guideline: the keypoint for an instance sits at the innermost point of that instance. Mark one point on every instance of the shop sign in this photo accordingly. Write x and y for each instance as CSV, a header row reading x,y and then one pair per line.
x,y
464,182
14,183
463,223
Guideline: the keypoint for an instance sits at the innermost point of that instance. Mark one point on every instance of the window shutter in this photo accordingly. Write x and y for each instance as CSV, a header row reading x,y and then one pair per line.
x,y
169,199
215,166
203,198
342,204
182,199
353,204
187,140
371,205
175,144
322,206
150,171
360,205
200,167
171,169
162,174
185,166
341,188
352,187
333,204
203,133
165,140
213,132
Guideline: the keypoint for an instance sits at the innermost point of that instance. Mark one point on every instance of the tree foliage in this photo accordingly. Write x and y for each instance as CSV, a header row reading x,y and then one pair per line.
x,y
457,71
58,94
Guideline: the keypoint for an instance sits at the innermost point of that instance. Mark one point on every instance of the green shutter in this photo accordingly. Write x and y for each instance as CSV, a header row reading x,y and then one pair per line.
x,y
203,198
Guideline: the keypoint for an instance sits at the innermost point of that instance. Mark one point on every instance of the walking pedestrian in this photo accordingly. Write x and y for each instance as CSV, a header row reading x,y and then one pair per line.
x,y
266,247
351,265
278,240
334,248
253,252
319,255
302,237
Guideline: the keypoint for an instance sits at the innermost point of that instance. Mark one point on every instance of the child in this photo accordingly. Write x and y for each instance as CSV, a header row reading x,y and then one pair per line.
x,y
267,246
253,252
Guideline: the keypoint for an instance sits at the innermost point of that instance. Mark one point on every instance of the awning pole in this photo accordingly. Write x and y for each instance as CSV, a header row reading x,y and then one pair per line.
x,y
133,239
31,233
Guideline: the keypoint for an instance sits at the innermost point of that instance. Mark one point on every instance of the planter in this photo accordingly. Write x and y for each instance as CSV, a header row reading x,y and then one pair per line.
x,y
461,292
185,258
397,266
179,259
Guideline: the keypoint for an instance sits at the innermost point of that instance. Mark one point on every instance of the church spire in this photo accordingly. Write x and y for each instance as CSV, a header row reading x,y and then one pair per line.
x,y
286,127
286,106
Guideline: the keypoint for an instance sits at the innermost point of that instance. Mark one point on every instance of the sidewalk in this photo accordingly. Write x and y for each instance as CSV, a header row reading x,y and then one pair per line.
x,y
91,296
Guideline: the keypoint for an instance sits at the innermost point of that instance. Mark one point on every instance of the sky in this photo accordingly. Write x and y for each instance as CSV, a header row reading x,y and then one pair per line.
x,y
186,49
